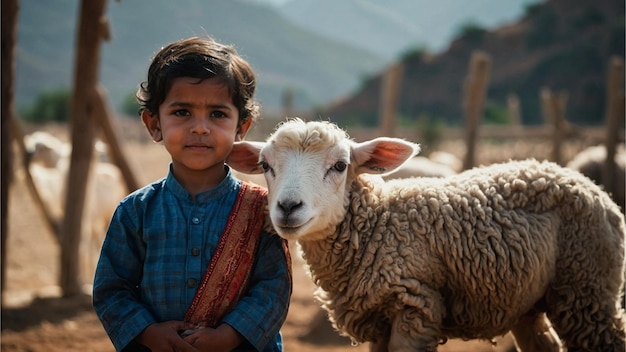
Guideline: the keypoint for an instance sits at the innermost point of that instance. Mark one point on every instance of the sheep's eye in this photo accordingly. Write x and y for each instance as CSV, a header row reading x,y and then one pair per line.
x,y
267,168
340,166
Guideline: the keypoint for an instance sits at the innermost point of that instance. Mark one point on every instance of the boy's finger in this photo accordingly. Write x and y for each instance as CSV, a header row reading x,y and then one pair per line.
x,y
183,346
181,325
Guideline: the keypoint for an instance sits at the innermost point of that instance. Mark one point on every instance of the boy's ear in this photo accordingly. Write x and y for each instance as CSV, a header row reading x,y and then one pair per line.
x,y
151,121
242,130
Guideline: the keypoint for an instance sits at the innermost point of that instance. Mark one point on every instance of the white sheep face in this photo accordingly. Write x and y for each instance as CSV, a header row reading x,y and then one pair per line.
x,y
307,187
308,168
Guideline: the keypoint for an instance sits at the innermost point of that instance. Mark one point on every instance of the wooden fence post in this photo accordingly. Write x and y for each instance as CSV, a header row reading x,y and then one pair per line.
x,y
50,221
90,34
10,10
104,115
475,89
513,109
553,107
614,119
390,89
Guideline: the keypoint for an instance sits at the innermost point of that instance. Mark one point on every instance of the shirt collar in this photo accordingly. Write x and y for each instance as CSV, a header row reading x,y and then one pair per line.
x,y
228,184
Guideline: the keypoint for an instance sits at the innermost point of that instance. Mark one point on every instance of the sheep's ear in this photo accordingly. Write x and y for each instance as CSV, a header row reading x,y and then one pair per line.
x,y
245,157
382,155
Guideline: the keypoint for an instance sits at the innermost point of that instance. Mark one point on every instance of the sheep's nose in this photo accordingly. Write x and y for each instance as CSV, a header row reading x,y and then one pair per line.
x,y
289,206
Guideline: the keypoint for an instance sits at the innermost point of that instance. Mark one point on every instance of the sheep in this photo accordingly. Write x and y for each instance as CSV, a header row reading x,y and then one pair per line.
x,y
448,159
48,160
524,246
421,167
590,162
438,164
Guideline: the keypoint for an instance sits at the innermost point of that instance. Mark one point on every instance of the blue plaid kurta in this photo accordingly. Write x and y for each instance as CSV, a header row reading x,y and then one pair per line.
x,y
156,251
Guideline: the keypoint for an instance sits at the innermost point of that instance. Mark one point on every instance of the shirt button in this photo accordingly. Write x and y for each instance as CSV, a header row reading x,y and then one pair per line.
x,y
191,283
195,252
195,221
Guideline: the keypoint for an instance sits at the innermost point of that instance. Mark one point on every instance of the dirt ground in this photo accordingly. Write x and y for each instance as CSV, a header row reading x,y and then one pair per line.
x,y
36,318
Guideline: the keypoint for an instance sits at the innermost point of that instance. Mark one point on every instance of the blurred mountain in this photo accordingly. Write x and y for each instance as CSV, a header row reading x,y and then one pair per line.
x,y
564,45
390,28
285,56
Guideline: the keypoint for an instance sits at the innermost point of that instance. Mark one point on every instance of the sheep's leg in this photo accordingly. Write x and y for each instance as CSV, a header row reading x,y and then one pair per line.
x,y
410,332
533,333
585,309
587,320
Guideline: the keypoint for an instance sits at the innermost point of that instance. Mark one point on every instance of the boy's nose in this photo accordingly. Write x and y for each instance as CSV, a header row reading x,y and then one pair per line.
x,y
200,126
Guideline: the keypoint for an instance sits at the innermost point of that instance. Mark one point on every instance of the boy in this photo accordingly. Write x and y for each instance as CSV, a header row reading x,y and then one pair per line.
x,y
185,265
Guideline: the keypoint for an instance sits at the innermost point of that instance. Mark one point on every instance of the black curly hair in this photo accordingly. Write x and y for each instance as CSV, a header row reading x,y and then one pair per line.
x,y
202,58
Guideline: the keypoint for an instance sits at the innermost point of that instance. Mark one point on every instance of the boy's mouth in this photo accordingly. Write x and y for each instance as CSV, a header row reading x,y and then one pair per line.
x,y
197,146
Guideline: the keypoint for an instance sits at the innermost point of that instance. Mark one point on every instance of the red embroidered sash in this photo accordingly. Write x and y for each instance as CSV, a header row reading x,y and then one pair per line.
x,y
228,272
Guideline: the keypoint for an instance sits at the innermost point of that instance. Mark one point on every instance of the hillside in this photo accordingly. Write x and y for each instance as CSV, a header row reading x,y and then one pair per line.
x,y
388,29
284,55
561,44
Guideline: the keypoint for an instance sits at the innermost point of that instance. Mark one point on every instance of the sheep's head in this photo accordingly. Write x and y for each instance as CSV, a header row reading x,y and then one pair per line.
x,y
309,168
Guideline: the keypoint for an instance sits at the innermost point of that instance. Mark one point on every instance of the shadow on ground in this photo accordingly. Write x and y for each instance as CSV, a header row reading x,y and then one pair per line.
x,y
54,310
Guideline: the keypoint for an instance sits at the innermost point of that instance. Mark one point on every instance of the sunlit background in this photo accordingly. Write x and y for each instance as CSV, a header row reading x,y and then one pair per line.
x,y
546,96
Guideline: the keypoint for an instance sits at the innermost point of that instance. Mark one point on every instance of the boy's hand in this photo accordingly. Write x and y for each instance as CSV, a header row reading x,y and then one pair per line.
x,y
163,337
221,339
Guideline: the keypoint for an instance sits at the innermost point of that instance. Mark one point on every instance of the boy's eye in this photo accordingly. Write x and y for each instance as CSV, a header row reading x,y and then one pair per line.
x,y
181,112
218,114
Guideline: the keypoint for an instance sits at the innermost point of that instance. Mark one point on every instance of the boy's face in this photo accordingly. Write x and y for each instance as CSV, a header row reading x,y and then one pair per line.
x,y
197,123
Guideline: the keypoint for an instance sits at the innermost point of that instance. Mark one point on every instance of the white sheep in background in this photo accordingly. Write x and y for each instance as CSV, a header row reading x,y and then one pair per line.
x,y
590,162
448,159
406,264
49,160
420,166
